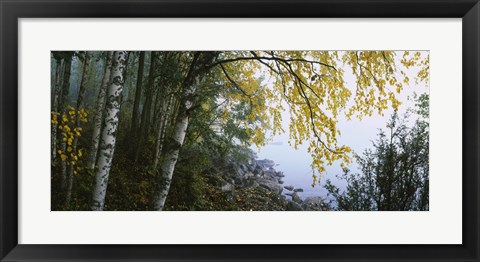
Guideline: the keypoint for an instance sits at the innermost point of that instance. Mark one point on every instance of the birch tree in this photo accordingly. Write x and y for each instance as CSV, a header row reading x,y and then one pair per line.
x,y
198,69
202,100
109,130
313,86
99,110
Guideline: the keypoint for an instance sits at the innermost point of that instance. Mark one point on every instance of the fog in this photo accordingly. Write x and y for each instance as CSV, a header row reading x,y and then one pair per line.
x,y
357,134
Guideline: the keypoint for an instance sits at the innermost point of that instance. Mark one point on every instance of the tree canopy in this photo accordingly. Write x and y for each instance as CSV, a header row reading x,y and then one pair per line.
x,y
136,114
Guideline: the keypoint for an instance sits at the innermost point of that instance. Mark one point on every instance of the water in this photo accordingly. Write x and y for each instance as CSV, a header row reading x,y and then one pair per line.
x,y
357,134
295,163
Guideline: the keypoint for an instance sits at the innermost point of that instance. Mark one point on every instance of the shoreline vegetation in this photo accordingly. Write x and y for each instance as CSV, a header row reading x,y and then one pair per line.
x,y
171,130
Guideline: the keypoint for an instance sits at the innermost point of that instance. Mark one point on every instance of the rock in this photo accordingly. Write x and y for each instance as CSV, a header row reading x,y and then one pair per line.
x,y
266,163
238,171
251,184
292,206
313,203
296,198
269,175
244,168
298,190
260,178
270,185
249,174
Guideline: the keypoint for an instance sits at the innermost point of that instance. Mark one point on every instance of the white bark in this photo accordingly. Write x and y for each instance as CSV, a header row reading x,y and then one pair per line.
x,y
196,72
166,171
109,131
99,109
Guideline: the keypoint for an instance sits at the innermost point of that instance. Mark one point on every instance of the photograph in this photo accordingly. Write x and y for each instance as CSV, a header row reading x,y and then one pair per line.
x,y
239,130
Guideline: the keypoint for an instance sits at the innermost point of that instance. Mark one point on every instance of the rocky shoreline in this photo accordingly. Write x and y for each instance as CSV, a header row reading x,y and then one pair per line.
x,y
266,186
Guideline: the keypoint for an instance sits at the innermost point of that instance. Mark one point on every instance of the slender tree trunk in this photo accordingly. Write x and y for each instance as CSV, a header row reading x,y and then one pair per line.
x,y
79,106
197,71
146,107
109,130
63,110
159,103
125,71
138,96
62,103
99,110
55,104
58,84
161,131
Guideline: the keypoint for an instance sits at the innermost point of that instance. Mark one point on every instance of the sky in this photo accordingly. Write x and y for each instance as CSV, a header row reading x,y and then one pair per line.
x,y
356,134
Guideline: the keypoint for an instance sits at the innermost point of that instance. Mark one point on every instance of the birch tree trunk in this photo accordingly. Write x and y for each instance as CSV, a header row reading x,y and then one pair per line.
x,y
79,106
198,69
99,110
109,130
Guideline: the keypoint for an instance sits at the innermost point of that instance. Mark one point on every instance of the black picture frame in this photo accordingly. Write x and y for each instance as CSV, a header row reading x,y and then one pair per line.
x,y
11,11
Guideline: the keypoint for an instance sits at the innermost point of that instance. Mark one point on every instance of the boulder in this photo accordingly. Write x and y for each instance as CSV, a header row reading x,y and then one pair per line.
x,y
313,203
238,171
251,184
298,190
289,187
269,175
292,206
265,163
270,185
296,198
244,168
